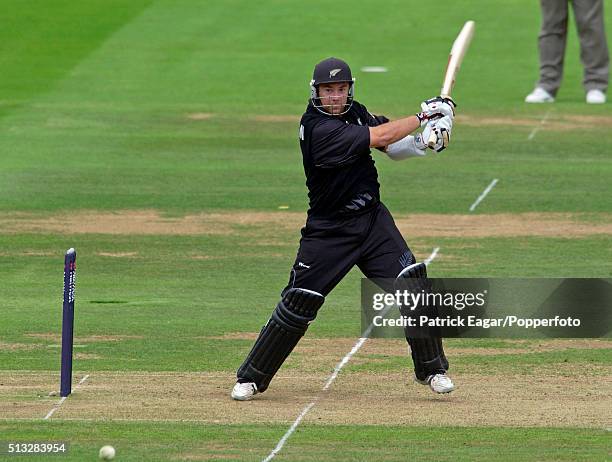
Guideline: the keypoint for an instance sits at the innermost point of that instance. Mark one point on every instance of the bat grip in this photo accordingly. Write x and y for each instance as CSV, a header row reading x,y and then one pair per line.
x,y
432,139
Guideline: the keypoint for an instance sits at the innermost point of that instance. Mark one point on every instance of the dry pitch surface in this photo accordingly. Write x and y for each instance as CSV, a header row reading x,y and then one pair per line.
x,y
151,222
566,396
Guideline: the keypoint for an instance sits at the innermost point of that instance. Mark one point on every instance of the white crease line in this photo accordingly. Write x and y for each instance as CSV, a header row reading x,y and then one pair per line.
x,y
348,356
433,255
286,436
55,408
537,128
61,401
484,194
332,377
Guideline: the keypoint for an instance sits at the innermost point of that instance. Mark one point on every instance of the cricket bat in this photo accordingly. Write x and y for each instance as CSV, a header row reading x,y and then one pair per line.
x,y
460,46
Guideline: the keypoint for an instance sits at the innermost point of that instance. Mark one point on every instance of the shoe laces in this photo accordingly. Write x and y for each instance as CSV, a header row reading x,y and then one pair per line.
x,y
441,379
249,386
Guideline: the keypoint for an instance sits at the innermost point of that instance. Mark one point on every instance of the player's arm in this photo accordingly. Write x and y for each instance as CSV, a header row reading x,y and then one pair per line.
x,y
388,133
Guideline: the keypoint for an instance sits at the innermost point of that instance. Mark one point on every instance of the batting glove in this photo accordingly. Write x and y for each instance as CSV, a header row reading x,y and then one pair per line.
x,y
435,108
442,128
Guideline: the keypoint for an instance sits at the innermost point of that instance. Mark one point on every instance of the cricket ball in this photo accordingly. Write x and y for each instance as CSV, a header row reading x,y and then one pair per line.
x,y
107,453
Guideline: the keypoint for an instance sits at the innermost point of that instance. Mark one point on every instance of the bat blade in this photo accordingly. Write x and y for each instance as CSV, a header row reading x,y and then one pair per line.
x,y
455,58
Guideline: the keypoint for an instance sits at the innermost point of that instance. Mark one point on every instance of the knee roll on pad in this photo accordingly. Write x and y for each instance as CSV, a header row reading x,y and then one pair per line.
x,y
416,270
413,278
287,325
297,309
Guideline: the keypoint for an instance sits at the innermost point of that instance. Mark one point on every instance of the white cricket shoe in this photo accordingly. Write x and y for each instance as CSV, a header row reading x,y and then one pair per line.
x,y
244,391
539,95
439,383
595,97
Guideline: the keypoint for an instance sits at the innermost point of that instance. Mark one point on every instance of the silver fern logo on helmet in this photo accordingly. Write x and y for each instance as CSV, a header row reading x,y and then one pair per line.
x,y
333,72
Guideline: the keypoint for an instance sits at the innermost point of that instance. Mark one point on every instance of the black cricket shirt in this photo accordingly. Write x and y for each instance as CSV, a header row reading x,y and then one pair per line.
x,y
340,173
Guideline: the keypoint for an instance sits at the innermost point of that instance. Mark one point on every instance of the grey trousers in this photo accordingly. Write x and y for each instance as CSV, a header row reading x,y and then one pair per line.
x,y
593,46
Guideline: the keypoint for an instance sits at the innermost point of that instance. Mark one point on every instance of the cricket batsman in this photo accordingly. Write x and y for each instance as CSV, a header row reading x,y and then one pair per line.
x,y
347,223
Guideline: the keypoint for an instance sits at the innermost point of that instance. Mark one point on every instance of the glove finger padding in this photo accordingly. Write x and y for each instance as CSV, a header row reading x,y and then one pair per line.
x,y
442,128
443,140
450,101
437,107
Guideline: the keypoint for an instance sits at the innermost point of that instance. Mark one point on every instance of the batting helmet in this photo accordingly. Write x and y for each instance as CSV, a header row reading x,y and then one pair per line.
x,y
331,70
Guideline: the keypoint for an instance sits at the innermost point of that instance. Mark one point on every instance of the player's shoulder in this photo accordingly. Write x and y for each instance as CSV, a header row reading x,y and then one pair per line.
x,y
361,112
359,108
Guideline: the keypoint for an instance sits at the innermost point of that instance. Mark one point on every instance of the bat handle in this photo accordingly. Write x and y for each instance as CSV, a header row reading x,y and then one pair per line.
x,y
432,140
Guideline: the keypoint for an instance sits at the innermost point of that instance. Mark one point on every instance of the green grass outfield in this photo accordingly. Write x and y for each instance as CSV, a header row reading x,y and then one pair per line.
x,y
169,441
191,108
